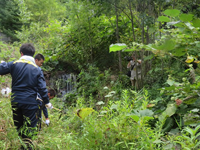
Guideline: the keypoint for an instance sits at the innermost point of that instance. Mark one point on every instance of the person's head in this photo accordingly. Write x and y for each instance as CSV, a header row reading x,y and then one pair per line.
x,y
27,49
39,59
133,57
51,93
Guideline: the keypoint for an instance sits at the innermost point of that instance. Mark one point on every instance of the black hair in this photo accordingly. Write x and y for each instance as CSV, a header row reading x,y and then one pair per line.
x,y
52,92
27,49
39,57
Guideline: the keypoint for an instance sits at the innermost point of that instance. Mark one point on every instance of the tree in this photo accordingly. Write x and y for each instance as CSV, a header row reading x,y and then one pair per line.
x,y
9,18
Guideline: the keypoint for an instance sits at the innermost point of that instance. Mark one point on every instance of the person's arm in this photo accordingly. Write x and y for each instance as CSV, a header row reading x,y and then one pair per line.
x,y
129,64
5,67
45,113
139,61
47,121
42,90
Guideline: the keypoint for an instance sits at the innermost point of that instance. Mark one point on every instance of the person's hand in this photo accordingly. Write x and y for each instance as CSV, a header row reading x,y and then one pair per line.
x,y
139,61
2,61
49,105
47,122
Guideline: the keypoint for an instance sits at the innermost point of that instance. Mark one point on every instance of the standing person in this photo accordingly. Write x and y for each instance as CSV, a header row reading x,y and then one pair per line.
x,y
27,81
51,94
132,65
39,60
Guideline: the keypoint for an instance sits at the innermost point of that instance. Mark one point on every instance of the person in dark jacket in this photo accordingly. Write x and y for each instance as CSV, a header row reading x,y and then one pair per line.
x,y
39,60
27,81
51,94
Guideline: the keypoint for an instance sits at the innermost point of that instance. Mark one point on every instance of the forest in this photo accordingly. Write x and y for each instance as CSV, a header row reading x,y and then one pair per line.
x,y
87,45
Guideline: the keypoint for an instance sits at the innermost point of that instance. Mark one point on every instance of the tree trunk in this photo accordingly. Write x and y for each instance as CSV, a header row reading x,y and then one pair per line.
x,y
132,23
117,36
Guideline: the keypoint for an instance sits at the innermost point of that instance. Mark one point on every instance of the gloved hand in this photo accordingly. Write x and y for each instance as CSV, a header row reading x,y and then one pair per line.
x,y
49,105
47,122
2,61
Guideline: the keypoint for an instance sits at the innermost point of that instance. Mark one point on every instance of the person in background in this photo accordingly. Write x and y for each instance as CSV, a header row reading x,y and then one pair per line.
x,y
27,81
39,59
132,65
51,94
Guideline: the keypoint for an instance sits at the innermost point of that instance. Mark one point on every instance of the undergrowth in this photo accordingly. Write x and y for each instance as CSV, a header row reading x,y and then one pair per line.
x,y
110,127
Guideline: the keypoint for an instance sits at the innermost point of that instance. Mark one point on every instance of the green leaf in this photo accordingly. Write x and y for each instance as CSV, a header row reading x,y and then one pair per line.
x,y
196,23
188,24
170,82
143,113
152,30
117,47
168,146
100,103
114,106
186,17
128,50
167,45
172,12
180,24
148,57
134,117
171,109
163,19
173,23
157,141
146,112
179,51
198,44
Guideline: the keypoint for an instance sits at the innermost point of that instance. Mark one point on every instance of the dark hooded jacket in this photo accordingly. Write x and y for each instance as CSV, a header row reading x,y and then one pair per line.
x,y
27,81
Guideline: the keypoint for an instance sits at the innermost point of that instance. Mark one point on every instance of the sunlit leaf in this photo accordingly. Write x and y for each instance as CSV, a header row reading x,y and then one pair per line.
x,y
84,112
189,25
100,103
186,17
114,106
163,19
117,47
172,12
170,82
103,112
146,112
189,59
173,23
171,109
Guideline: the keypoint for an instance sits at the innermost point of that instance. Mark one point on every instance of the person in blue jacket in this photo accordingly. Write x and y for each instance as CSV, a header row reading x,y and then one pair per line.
x,y
39,60
51,94
27,81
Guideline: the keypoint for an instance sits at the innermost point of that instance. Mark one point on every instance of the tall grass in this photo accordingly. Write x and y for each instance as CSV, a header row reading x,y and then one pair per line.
x,y
108,128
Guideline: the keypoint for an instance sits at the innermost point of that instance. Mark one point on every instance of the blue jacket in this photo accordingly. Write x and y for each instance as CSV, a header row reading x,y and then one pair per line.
x,y
44,109
27,81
